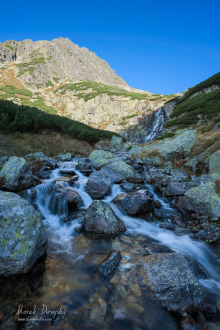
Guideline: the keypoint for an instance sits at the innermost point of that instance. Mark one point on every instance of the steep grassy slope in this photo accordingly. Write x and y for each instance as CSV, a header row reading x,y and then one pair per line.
x,y
198,109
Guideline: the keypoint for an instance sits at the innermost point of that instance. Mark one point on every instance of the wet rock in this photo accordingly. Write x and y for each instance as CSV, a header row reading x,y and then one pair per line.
x,y
103,263
170,276
98,185
210,312
178,188
117,143
67,195
68,172
43,174
167,225
84,165
119,171
101,219
38,160
158,176
128,186
135,203
65,157
214,162
187,323
203,201
16,174
23,237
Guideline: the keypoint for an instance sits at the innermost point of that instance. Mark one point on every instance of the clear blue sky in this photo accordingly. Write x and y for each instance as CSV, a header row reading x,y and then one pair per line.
x,y
162,46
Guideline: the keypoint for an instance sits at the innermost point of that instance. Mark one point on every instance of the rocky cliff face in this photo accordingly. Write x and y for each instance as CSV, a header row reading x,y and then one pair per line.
x,y
60,77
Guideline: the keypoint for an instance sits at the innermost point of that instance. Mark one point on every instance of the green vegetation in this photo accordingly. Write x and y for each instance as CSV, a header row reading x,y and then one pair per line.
x,y
214,80
175,99
49,58
11,91
156,98
123,123
130,116
8,46
165,136
95,90
21,118
49,83
56,79
204,107
148,110
28,67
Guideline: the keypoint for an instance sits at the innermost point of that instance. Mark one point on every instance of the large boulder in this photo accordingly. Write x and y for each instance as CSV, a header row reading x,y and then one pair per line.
x,y
170,276
98,185
135,204
203,201
16,174
119,171
180,146
100,158
117,143
214,162
101,219
23,237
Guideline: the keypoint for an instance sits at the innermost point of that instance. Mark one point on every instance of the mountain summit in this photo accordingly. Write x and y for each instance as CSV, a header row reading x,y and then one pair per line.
x,y
41,61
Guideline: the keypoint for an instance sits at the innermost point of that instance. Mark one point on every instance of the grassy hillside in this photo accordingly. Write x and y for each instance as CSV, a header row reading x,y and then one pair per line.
x,y
198,109
21,118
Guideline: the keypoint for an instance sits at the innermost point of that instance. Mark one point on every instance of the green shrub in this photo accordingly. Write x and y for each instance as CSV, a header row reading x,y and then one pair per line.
x,y
96,89
165,136
49,83
56,79
22,118
123,123
214,80
9,47
130,116
204,107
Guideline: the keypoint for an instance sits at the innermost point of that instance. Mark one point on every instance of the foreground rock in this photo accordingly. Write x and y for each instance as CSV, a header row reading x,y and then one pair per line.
x,y
170,276
16,174
23,237
101,219
135,204
180,146
203,201
119,171
117,143
98,185
214,162
103,263
100,158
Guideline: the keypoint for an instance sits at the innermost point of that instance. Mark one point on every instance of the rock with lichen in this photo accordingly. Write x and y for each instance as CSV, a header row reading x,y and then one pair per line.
x,y
23,237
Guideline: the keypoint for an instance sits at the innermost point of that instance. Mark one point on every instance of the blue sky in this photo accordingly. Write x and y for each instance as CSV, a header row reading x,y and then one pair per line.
x,y
162,46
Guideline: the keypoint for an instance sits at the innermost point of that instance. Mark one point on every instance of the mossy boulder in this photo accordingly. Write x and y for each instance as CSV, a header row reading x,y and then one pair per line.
x,y
203,201
16,174
214,162
100,158
101,219
172,279
180,146
118,171
117,143
23,237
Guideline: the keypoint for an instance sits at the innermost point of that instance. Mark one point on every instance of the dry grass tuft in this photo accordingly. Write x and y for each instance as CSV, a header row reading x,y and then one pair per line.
x,y
50,143
205,141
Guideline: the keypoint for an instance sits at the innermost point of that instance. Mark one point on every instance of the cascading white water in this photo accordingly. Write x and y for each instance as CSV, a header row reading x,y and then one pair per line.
x,y
157,126
62,233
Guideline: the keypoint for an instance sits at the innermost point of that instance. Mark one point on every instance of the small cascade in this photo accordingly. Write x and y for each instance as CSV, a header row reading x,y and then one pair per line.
x,y
148,129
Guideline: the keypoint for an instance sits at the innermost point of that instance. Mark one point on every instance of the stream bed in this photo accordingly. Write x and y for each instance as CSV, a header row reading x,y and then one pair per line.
x,y
61,292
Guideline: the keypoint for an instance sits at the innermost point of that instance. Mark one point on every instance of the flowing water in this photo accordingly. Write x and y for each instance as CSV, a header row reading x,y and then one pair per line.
x,y
62,293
